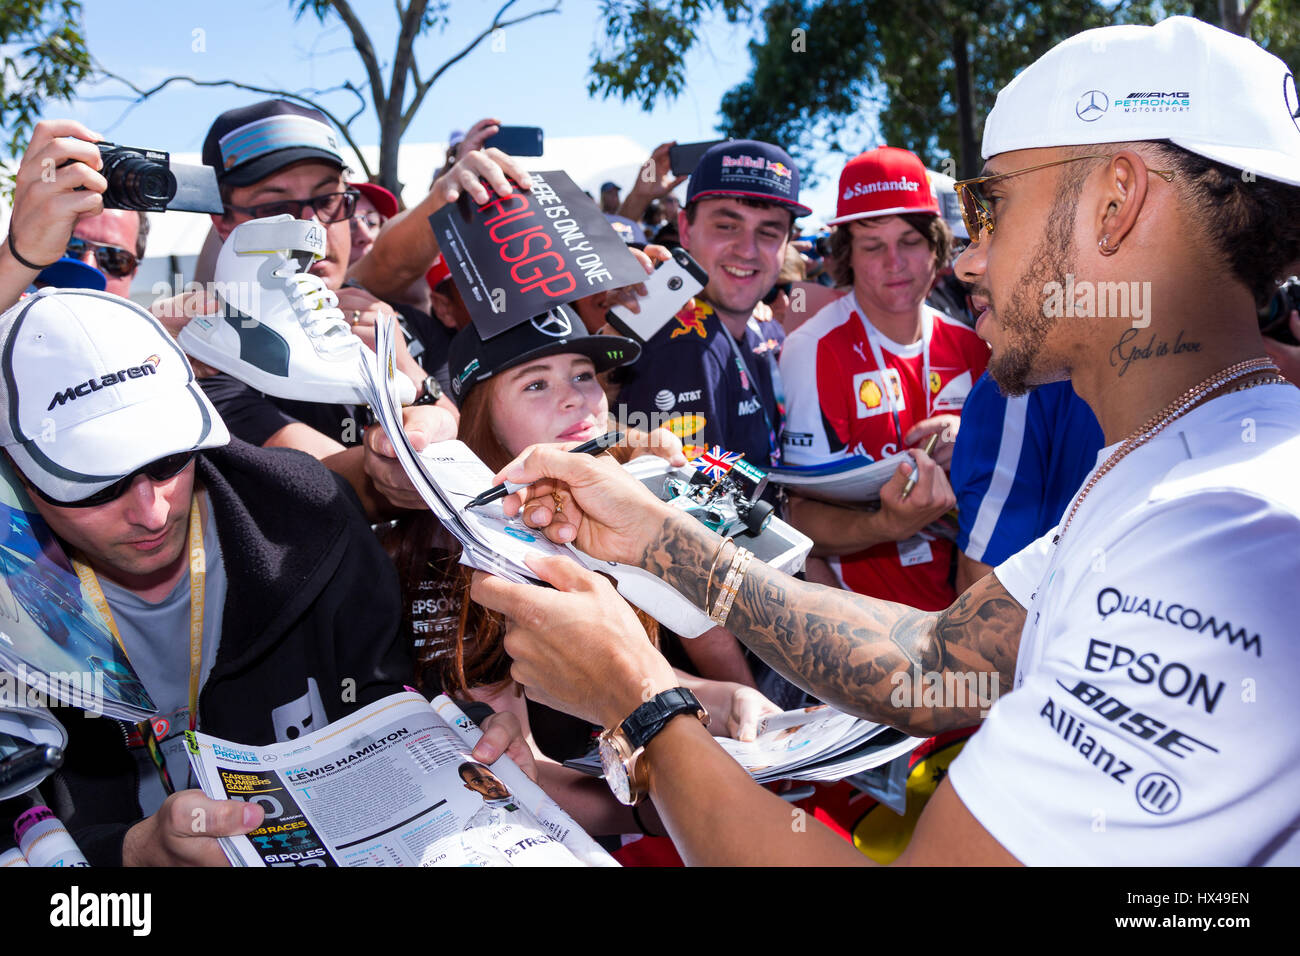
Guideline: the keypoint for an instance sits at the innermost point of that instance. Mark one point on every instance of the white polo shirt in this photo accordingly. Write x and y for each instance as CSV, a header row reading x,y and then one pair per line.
x,y
1155,717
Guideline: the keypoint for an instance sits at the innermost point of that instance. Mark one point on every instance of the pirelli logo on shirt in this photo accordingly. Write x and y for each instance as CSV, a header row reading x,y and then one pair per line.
x,y
869,392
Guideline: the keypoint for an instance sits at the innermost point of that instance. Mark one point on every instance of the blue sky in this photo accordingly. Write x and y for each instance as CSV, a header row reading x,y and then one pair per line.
x,y
539,78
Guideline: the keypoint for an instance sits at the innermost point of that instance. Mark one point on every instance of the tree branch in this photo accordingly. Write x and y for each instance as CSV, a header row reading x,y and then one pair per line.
x,y
497,24
1246,15
143,94
412,23
365,50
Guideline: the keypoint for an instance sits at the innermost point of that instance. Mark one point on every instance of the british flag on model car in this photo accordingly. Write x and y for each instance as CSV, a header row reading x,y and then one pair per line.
x,y
715,463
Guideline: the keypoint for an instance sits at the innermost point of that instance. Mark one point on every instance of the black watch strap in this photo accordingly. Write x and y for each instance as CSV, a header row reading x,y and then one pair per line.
x,y
648,719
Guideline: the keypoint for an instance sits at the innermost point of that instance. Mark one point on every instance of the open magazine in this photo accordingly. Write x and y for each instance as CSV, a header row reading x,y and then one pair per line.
x,y
51,637
390,785
811,743
448,475
854,480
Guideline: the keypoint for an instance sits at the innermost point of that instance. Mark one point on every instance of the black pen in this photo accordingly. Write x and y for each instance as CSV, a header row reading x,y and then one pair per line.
x,y
593,447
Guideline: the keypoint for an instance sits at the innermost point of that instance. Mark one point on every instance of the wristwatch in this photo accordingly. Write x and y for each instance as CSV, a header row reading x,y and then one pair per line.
x,y
432,392
621,747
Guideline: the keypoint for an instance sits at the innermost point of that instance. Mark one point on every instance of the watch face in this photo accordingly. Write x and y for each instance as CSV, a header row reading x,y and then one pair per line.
x,y
611,759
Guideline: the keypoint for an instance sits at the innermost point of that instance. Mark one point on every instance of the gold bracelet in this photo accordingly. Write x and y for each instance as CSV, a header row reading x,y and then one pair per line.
x,y
712,568
731,586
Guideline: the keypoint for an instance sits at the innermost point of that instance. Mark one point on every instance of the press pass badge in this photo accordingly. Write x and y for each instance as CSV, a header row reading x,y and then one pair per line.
x,y
914,550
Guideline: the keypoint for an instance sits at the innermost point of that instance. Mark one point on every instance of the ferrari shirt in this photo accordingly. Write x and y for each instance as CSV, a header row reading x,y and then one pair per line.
x,y
1153,715
837,406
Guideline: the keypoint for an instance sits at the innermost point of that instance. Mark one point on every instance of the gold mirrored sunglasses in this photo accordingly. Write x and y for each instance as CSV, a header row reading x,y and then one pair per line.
x,y
975,212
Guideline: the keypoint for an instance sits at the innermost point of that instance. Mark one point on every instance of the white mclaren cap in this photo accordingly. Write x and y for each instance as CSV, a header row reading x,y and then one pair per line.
x,y
93,389
1211,92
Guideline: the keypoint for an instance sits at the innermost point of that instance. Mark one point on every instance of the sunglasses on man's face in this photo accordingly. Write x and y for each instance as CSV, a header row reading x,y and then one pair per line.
x,y
328,208
163,469
112,260
976,212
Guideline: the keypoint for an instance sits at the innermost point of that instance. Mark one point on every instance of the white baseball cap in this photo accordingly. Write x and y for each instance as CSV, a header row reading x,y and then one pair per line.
x,y
93,388
1211,92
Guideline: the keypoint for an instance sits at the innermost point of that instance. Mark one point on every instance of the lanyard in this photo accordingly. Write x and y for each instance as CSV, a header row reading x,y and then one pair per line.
x,y
773,446
198,569
873,339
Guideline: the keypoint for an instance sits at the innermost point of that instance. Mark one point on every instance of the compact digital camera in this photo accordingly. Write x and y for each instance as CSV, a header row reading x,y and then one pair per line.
x,y
147,179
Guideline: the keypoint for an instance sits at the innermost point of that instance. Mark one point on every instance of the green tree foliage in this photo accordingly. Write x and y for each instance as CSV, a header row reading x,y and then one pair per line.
x,y
646,44
45,57
931,68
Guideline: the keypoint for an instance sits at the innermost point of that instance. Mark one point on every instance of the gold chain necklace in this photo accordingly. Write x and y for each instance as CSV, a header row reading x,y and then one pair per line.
x,y
1174,410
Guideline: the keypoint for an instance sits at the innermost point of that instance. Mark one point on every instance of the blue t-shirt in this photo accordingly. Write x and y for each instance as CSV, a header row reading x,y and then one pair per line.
x,y
1017,465
690,380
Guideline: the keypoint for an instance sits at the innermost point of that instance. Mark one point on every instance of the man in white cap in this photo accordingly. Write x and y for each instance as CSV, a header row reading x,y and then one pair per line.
x,y
244,584
1145,646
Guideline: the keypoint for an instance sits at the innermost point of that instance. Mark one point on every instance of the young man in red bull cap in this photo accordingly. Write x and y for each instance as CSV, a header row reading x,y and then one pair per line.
x,y
711,373
1144,648
715,361
878,371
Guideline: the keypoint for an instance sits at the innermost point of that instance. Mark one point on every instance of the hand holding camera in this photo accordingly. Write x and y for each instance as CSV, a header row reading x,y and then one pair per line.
x,y
58,182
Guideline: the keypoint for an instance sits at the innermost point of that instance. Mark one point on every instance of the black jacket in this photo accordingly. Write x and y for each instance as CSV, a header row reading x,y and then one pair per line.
x,y
310,595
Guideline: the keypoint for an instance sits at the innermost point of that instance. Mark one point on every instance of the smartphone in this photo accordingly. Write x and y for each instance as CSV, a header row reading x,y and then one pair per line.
x,y
516,140
684,157
669,288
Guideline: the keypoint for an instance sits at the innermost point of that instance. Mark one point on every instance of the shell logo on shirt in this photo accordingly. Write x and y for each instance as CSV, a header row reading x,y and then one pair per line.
x,y
691,319
869,392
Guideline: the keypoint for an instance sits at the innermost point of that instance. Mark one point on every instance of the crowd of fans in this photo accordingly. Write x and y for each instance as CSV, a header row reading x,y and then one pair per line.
x,y
322,567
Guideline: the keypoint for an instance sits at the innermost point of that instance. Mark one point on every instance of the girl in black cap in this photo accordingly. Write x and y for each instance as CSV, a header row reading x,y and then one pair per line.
x,y
533,384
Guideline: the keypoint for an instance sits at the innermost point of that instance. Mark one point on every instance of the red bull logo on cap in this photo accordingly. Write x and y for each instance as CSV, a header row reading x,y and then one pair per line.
x,y
744,162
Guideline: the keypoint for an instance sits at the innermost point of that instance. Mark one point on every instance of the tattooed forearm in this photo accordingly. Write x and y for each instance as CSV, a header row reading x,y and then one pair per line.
x,y
681,553
983,627
847,649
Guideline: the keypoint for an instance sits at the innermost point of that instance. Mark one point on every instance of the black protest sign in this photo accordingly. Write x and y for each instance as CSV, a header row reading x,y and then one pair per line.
x,y
516,256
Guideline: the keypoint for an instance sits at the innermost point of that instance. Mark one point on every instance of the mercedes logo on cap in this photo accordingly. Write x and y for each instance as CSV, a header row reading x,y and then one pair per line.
x,y
1091,106
554,323
1291,98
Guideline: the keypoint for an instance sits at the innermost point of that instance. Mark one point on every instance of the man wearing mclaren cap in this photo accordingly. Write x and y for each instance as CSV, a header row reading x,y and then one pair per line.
x,y
244,584
1144,648
878,371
